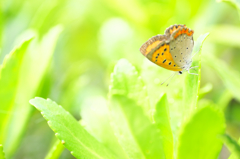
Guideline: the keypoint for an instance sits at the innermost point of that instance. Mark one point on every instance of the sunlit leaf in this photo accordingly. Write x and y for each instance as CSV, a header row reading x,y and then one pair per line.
x,y
199,136
9,78
125,80
137,135
72,135
96,120
161,118
34,67
192,82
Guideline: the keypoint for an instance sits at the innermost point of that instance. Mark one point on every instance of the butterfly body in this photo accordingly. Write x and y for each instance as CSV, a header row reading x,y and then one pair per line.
x,y
173,50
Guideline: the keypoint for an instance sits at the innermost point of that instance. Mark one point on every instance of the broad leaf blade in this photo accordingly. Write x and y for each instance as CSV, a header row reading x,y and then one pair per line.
x,y
192,82
199,137
72,135
232,145
137,135
125,80
9,78
161,118
100,126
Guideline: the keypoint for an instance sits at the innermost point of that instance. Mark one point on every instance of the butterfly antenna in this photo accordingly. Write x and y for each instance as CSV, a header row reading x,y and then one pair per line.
x,y
171,76
171,79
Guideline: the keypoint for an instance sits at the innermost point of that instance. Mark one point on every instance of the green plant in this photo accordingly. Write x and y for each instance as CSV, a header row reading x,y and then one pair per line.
x,y
136,131
66,50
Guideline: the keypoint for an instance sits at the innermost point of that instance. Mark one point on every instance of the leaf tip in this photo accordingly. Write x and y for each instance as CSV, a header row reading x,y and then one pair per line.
x,y
34,100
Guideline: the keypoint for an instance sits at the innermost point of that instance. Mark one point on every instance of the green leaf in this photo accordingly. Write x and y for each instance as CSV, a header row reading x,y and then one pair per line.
x,y
72,135
199,136
192,82
37,60
2,155
99,126
228,75
233,3
125,80
55,151
161,118
137,135
9,78
232,145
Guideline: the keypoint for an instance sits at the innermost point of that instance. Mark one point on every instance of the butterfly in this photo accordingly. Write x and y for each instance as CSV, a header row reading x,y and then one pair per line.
x,y
173,50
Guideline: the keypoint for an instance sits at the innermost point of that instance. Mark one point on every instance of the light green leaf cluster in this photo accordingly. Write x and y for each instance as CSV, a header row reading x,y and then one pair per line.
x,y
131,127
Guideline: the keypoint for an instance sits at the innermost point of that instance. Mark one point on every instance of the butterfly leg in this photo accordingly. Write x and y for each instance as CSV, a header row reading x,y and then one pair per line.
x,y
192,68
192,73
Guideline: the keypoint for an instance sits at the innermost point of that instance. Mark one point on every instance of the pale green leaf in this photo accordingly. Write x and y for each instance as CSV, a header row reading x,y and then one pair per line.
x,y
199,136
136,133
9,78
34,67
125,80
192,82
72,135
161,118
96,119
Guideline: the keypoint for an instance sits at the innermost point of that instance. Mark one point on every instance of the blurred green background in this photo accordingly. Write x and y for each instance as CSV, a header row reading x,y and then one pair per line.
x,y
77,42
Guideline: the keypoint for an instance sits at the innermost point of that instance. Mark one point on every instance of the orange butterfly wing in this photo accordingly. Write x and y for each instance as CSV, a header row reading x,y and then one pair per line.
x,y
173,28
156,49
